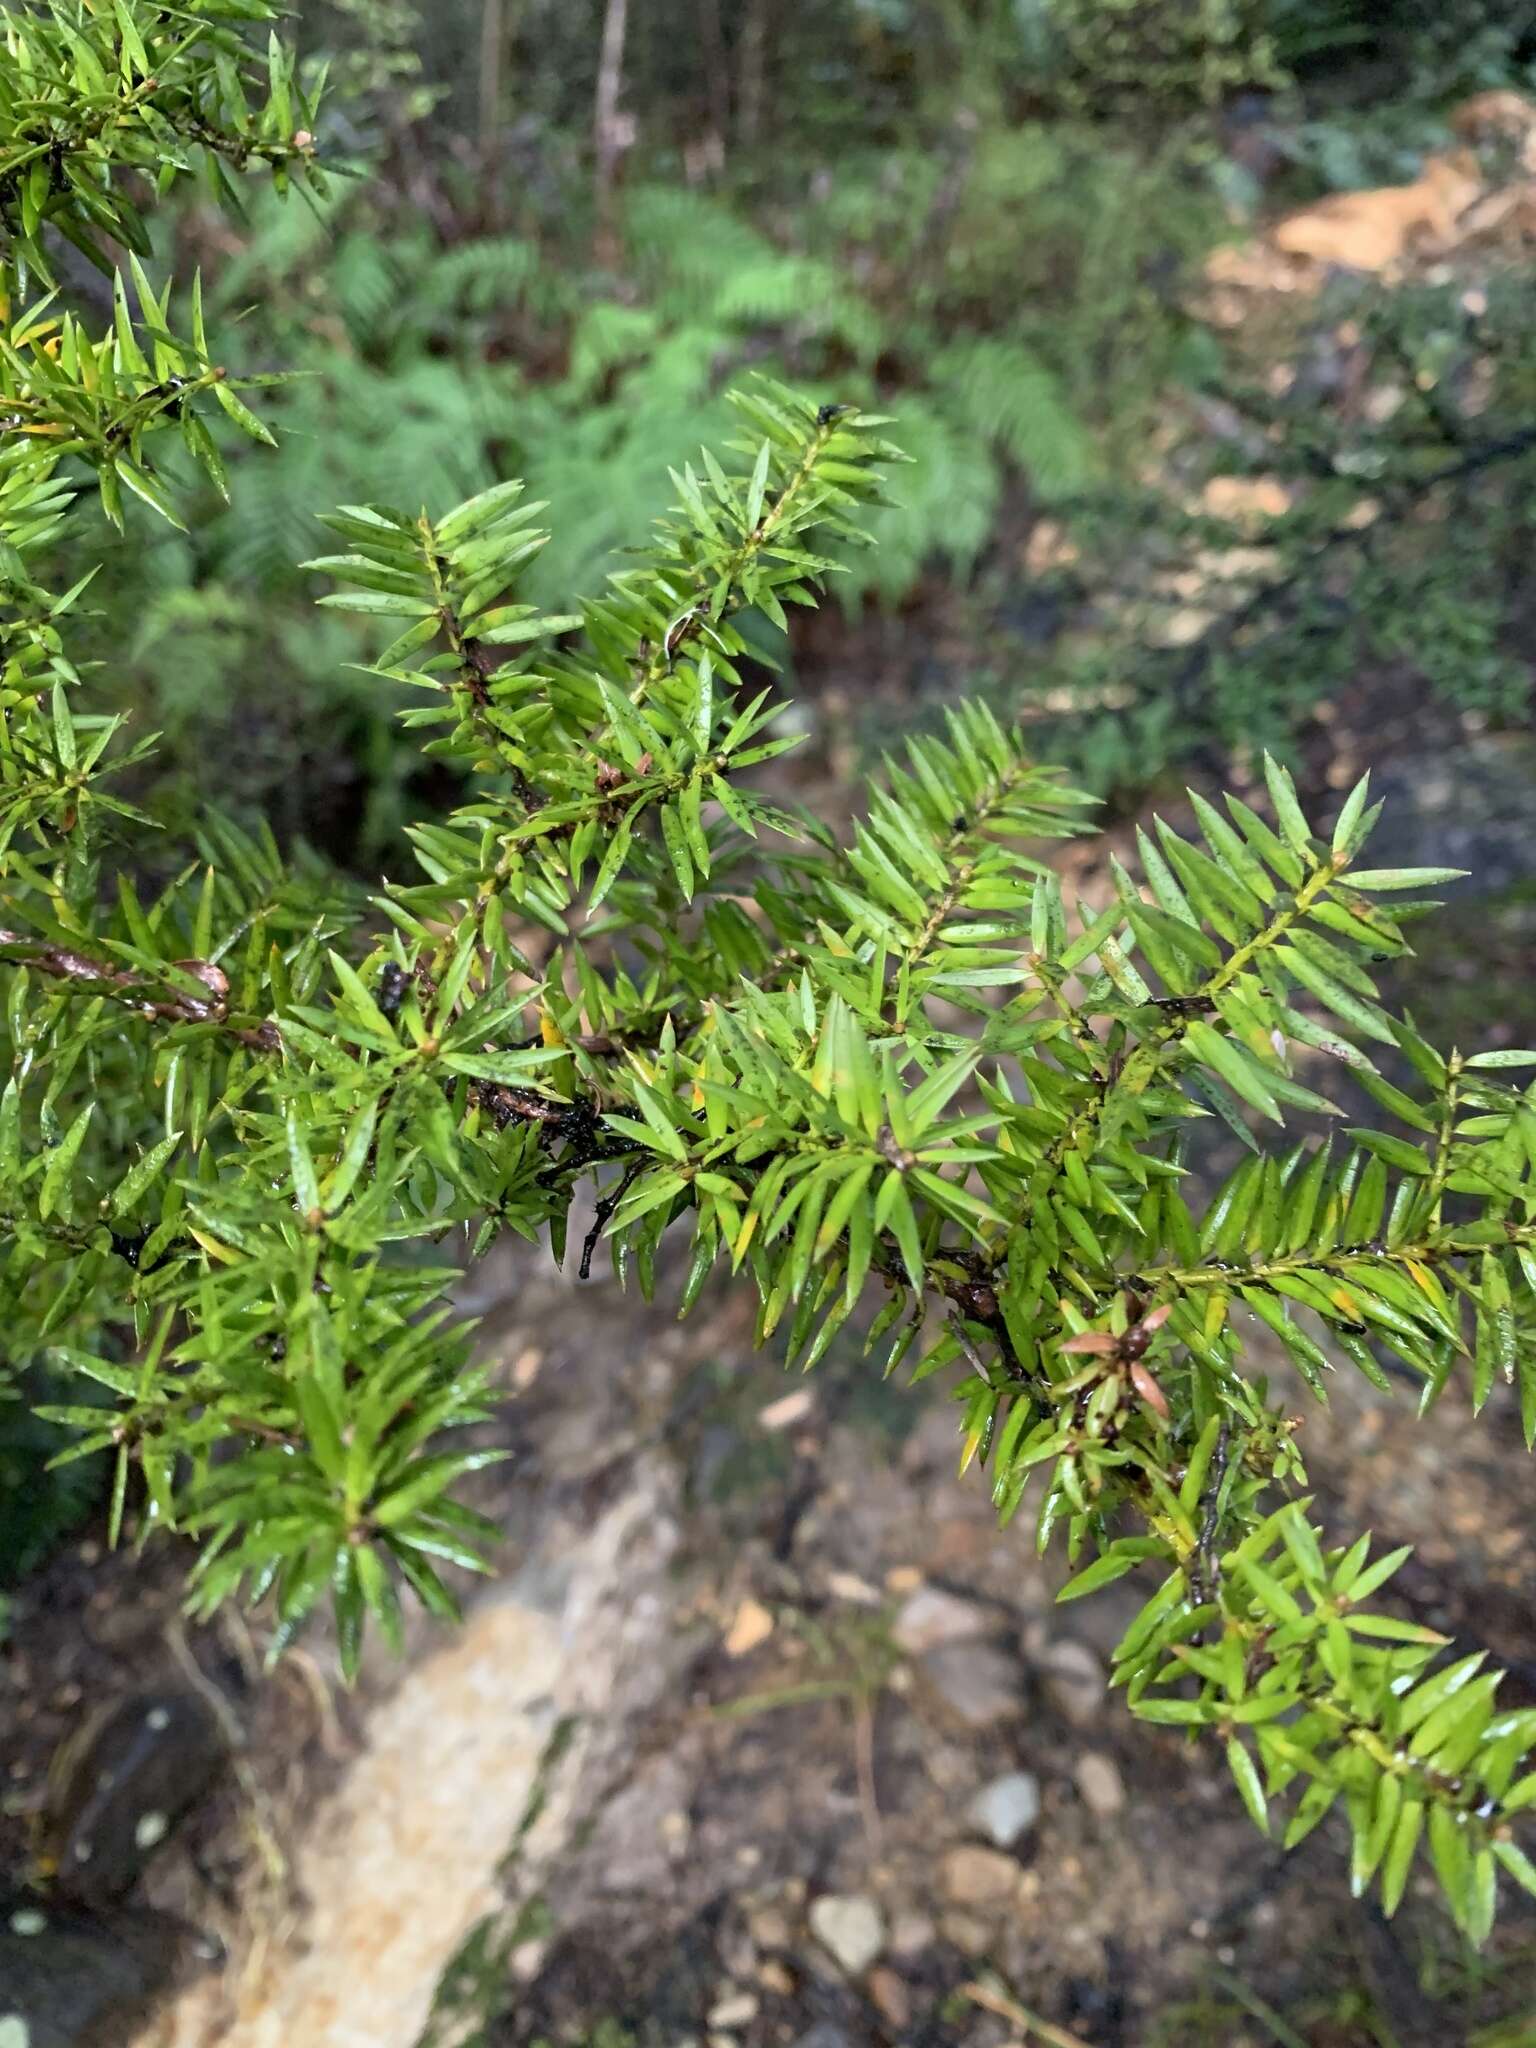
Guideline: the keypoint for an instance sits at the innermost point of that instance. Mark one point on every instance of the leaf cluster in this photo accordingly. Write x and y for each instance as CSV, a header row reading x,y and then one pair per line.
x,y
891,1077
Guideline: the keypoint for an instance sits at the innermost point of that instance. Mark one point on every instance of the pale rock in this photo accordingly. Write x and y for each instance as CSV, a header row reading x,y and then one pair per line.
x,y
1100,1783
980,1684
850,1929
788,1409
1181,627
1072,1679
1252,498
1006,1809
736,2009
978,1877
931,1618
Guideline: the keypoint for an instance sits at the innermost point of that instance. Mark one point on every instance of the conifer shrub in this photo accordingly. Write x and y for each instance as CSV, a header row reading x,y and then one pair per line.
x,y
896,1077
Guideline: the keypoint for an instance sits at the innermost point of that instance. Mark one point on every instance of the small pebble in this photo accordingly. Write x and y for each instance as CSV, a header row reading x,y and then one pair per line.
x,y
753,1625
979,1684
1099,1781
931,1618
738,2009
788,1409
769,1927
851,1930
912,1933
1006,1809
890,1995
979,1877
1072,1680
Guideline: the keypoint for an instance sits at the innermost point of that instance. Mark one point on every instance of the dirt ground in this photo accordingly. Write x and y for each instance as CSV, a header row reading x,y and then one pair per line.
x,y
790,1826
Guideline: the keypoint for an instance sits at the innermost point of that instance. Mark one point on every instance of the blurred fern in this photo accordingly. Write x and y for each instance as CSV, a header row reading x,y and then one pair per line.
x,y
420,371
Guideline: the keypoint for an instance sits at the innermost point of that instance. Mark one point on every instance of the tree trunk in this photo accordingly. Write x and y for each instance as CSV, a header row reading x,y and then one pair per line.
x,y
752,75
492,28
492,46
717,83
611,133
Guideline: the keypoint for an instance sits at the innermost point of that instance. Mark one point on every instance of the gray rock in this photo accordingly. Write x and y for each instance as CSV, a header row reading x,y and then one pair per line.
x,y
68,1977
850,1929
1471,806
643,1828
1006,1809
980,1684
912,1933
824,2035
1099,1781
1072,1679
931,1618
122,1787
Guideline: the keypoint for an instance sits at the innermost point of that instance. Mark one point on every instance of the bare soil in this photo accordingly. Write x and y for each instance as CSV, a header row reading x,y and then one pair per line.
x,y
779,1734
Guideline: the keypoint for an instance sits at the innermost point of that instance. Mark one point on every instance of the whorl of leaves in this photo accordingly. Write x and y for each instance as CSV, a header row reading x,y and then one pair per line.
x,y
895,1066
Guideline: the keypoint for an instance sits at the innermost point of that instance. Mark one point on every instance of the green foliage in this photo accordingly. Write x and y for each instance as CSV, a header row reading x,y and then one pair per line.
x,y
39,1505
424,371
1166,52
1401,521
248,1114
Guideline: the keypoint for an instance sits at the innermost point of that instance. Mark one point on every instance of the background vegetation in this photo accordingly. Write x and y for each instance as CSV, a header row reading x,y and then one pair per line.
x,y
989,214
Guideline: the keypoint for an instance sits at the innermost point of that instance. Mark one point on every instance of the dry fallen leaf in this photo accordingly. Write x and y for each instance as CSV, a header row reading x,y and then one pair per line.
x,y
849,1586
788,1409
1254,499
753,1625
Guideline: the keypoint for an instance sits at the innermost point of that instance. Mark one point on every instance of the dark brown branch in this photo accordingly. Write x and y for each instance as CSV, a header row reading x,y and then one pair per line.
x,y
62,963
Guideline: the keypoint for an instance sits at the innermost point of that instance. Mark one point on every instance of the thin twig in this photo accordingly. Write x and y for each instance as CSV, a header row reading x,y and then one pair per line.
x,y
992,1999
605,1212
864,1764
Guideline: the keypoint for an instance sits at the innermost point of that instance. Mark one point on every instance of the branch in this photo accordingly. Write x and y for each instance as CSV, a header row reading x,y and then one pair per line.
x,y
94,977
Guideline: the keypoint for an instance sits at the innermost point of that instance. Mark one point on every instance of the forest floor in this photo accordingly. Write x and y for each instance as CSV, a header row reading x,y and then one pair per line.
x,y
767,1735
